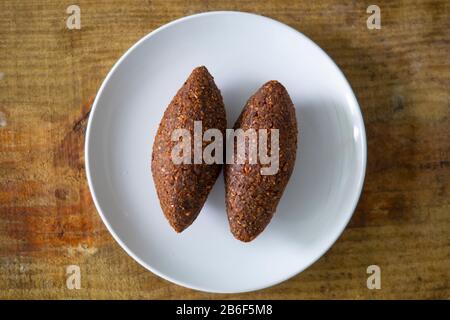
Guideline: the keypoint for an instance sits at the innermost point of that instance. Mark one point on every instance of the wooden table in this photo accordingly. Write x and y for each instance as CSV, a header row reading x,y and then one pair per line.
x,y
50,74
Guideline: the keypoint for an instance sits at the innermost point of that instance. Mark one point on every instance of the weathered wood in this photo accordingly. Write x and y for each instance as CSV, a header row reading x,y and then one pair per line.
x,y
400,74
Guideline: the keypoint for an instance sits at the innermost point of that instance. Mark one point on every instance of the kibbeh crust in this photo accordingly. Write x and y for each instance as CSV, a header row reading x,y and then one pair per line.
x,y
252,198
183,188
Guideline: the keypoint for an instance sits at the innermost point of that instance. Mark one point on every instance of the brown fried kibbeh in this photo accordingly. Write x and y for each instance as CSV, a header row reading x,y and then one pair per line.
x,y
252,198
182,189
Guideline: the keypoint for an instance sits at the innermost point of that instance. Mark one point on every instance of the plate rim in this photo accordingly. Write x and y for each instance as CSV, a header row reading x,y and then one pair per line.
x,y
87,152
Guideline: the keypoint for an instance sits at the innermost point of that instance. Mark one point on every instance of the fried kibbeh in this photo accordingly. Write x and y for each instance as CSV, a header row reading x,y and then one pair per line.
x,y
251,197
182,189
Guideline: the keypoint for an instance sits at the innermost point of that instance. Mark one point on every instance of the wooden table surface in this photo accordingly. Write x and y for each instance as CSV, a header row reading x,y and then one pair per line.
x,y
50,74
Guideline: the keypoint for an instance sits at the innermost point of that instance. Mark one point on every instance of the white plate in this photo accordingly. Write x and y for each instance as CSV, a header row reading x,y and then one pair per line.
x,y
241,51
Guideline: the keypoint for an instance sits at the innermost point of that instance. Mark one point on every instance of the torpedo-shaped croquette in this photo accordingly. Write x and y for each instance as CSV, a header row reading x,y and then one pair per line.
x,y
251,197
183,188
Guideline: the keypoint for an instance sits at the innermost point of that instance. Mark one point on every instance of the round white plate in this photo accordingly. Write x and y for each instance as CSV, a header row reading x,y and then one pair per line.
x,y
242,51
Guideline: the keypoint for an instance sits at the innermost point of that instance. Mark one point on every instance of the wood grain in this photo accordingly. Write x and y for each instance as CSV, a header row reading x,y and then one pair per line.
x,y
400,74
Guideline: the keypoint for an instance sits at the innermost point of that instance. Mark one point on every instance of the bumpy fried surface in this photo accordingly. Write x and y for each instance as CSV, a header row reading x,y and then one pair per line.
x,y
251,197
182,189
